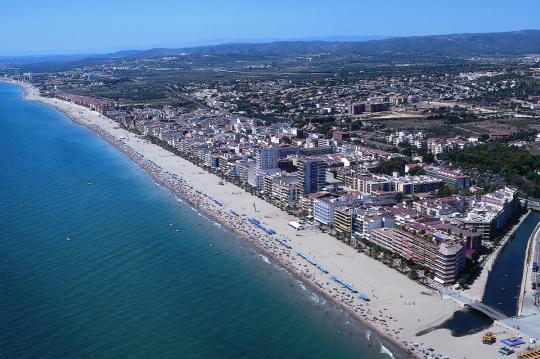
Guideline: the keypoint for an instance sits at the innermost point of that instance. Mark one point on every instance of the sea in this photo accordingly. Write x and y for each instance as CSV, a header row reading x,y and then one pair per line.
x,y
98,261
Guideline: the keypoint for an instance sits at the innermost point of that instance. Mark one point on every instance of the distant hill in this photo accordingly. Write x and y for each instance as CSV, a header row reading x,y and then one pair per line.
x,y
513,43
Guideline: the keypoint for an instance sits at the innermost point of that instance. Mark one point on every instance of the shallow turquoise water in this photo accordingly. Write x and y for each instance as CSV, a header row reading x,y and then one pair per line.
x,y
126,284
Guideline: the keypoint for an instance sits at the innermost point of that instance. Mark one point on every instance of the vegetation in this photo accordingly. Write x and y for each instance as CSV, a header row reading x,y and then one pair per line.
x,y
393,165
516,166
417,171
445,191
516,42
408,150
455,116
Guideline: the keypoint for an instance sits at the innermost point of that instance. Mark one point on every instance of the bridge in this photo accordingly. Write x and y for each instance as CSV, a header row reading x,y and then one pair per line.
x,y
491,312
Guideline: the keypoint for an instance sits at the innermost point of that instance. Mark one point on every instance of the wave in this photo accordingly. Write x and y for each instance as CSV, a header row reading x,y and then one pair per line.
x,y
202,215
385,350
264,258
316,299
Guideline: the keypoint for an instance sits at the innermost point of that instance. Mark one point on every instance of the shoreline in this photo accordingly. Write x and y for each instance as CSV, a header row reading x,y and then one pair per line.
x,y
398,327
156,173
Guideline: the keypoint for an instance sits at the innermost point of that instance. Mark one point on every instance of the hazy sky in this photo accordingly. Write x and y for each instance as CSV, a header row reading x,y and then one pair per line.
x,y
71,26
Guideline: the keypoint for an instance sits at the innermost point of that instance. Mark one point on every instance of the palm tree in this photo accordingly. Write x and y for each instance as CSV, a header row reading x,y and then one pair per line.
x,y
413,274
402,264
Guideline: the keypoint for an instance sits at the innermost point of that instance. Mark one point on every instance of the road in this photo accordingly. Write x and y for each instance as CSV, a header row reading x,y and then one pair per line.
x,y
529,319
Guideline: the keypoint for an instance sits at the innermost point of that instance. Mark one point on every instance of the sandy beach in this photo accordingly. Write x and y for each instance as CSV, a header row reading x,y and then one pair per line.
x,y
399,307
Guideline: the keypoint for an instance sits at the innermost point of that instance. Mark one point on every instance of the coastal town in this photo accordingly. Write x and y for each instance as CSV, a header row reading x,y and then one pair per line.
x,y
391,195
270,179
395,193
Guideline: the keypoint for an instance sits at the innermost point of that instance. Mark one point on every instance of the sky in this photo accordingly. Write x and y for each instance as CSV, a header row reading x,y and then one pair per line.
x,y
32,27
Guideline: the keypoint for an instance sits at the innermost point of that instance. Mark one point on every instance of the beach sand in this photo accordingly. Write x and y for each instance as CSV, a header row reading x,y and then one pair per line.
x,y
399,307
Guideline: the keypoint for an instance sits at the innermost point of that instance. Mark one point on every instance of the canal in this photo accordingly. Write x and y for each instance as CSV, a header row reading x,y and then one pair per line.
x,y
502,287
504,281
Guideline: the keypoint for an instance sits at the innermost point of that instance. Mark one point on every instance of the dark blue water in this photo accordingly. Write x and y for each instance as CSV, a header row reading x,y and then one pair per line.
x,y
91,267
504,281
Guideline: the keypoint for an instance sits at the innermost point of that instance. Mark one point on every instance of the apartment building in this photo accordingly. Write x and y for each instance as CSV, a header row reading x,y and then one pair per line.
x,y
490,214
445,257
311,175
453,178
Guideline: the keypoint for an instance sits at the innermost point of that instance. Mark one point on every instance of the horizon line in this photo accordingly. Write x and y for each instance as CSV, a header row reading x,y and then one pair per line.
x,y
224,41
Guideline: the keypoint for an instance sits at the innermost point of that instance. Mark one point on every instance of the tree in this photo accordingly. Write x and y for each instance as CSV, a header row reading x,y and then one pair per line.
x,y
402,264
393,165
515,165
428,157
417,171
286,140
406,151
445,191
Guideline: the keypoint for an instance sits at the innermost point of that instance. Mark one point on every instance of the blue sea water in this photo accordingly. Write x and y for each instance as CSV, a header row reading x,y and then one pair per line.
x,y
92,264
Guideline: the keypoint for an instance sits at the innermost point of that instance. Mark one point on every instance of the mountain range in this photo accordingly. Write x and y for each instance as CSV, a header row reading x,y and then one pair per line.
x,y
469,44
511,43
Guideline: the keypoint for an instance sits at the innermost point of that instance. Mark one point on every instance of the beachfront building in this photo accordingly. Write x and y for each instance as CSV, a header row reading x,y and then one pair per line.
x,y
311,175
259,178
268,183
286,191
267,158
370,218
307,201
450,262
440,254
282,188
343,220
247,171
96,104
323,210
342,210
229,169
453,178
211,160
348,206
